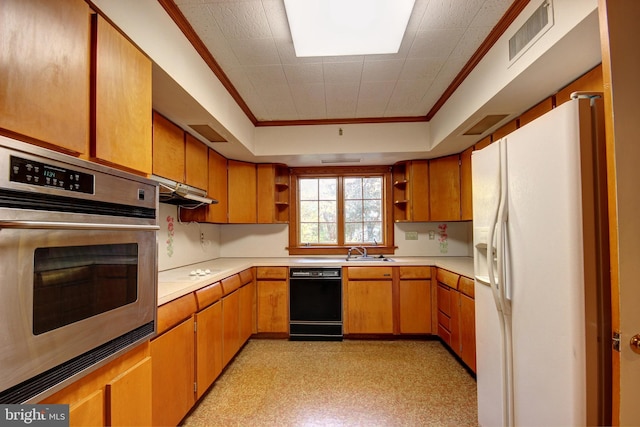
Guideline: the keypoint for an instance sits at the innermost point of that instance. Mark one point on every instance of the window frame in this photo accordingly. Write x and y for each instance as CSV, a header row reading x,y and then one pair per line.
x,y
341,172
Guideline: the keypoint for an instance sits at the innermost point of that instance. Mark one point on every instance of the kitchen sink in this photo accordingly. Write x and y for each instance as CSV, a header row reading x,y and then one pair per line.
x,y
370,258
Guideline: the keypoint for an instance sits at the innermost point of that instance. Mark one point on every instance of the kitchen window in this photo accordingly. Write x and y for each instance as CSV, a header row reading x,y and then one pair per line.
x,y
334,209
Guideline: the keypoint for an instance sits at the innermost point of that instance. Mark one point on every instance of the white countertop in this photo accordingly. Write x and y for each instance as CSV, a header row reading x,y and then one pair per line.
x,y
177,282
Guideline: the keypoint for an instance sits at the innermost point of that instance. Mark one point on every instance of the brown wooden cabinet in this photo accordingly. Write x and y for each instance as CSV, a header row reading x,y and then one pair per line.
x,y
415,300
456,315
272,300
208,336
45,71
273,193
247,305
168,149
195,163
121,113
368,300
411,191
444,188
217,188
114,394
173,356
242,192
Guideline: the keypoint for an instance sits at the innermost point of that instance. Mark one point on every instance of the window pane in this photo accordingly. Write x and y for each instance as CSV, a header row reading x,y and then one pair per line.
x,y
373,232
308,188
309,211
328,211
372,188
352,188
328,233
309,232
372,210
328,189
353,232
353,210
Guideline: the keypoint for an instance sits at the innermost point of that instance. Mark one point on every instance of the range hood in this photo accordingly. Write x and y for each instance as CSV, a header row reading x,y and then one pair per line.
x,y
177,193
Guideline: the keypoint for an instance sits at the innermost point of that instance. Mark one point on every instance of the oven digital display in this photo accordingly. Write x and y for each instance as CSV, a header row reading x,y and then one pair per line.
x,y
45,175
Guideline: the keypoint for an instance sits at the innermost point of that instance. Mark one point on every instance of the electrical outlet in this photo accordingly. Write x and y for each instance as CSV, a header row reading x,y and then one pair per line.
x,y
432,234
411,235
201,238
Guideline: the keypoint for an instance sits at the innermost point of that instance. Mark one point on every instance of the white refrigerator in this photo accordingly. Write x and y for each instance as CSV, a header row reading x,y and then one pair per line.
x,y
539,255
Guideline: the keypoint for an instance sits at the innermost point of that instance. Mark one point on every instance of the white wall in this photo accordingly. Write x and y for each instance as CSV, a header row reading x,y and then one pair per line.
x,y
449,239
181,246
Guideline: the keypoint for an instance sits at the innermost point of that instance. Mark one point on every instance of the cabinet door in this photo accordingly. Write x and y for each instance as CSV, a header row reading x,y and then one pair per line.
x,y
168,149
466,197
208,347
456,337
415,306
444,188
273,306
266,193
242,192
419,183
122,105
172,374
89,411
217,187
247,310
370,307
230,326
468,331
196,162
45,71
128,397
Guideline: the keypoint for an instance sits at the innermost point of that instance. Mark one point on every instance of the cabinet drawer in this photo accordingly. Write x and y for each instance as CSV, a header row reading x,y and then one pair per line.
x,y
176,311
246,276
272,272
415,272
448,278
444,321
466,285
230,284
444,334
444,299
208,295
369,273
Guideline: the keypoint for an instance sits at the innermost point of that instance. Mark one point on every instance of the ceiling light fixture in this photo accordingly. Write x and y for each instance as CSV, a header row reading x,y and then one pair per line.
x,y
347,27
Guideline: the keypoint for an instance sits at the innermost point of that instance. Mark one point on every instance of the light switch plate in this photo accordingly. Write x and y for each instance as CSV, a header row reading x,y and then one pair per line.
x,y
411,235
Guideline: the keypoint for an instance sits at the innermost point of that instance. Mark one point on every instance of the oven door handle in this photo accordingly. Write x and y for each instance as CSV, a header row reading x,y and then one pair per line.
x,y
50,225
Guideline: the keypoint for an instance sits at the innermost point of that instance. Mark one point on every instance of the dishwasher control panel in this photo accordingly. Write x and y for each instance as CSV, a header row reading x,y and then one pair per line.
x,y
314,272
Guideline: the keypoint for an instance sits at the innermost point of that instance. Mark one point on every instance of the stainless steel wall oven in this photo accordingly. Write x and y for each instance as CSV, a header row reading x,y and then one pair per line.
x,y
78,255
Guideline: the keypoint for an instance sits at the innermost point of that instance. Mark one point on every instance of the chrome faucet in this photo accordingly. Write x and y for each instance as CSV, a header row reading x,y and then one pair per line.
x,y
360,249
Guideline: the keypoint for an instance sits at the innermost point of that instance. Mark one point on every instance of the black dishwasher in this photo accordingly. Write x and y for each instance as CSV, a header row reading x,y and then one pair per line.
x,y
315,304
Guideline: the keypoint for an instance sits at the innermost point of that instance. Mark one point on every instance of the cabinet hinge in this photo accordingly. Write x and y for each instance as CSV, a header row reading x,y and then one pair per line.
x,y
615,341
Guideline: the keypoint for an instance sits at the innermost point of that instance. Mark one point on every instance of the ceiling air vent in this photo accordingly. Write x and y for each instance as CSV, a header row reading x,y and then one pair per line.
x,y
537,24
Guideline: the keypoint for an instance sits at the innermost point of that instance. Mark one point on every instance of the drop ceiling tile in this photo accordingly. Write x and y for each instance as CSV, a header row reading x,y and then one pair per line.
x,y
490,13
449,14
304,73
277,18
381,70
421,68
242,20
288,55
470,41
435,43
373,98
309,99
266,75
342,99
256,52
406,96
342,72
278,101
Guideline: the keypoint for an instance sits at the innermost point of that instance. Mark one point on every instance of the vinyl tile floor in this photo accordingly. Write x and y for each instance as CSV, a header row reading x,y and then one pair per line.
x,y
348,383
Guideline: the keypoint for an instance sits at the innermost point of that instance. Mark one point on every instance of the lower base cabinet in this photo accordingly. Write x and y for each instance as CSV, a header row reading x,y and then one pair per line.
x,y
117,394
173,376
208,347
272,300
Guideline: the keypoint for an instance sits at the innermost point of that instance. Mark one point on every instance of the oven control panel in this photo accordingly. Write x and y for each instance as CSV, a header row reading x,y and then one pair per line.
x,y
46,175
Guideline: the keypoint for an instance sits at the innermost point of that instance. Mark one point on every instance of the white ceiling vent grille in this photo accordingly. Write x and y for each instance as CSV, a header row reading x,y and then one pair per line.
x,y
537,24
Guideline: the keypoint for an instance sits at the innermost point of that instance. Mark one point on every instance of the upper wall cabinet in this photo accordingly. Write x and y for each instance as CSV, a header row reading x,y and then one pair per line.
x,y
411,191
273,193
195,166
242,192
444,188
168,149
44,49
122,106
466,196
